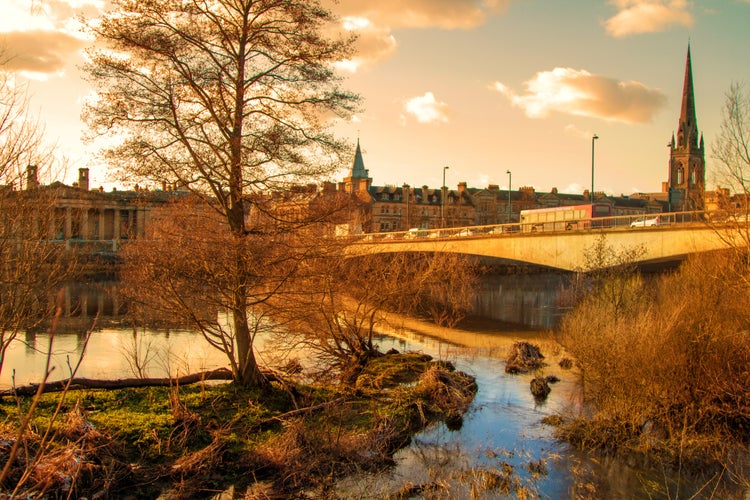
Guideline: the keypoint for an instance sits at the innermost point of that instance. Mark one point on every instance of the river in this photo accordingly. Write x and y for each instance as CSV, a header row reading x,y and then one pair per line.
x,y
502,431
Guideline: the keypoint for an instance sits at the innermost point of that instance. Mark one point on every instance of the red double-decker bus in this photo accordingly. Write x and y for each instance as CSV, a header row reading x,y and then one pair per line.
x,y
566,218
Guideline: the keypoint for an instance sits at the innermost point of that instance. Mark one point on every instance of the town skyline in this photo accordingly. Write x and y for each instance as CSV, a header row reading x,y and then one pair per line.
x,y
482,87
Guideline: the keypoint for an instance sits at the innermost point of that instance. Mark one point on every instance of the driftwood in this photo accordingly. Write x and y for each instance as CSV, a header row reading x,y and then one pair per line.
x,y
122,383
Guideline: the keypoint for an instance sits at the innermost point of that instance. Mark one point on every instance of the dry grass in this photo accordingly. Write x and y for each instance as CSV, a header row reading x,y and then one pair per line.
x,y
664,364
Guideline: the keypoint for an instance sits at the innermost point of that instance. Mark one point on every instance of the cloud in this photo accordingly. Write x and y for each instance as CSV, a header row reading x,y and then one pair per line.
x,y
42,37
374,22
446,14
373,44
38,51
578,92
647,16
426,109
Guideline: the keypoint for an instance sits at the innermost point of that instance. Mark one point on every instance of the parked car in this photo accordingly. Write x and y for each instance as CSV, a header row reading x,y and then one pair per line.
x,y
415,232
646,222
464,232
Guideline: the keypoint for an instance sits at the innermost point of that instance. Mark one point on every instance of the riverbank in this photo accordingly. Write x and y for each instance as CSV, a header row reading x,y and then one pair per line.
x,y
664,363
197,441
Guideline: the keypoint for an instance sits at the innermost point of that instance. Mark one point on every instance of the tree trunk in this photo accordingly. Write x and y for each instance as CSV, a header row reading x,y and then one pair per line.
x,y
87,383
249,372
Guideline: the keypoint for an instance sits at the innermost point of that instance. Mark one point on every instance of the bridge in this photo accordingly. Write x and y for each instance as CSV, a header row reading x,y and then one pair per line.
x,y
659,239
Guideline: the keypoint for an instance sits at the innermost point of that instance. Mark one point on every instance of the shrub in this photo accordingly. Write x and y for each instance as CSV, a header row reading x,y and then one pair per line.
x,y
665,371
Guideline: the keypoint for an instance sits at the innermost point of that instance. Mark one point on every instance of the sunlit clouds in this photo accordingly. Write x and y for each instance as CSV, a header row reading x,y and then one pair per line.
x,y
647,16
39,38
427,109
580,93
374,22
38,52
372,45
446,14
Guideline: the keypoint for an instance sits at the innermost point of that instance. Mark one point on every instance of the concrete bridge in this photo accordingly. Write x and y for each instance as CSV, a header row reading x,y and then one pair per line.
x,y
669,241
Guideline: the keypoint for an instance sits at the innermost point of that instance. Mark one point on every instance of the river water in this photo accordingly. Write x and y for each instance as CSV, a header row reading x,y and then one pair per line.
x,y
502,434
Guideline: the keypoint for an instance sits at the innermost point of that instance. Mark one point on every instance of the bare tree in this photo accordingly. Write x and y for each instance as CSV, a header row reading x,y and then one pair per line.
x,y
21,135
451,281
731,149
609,277
337,305
227,99
32,267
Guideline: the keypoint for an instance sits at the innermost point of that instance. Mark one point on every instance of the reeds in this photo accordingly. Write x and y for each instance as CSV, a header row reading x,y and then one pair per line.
x,y
665,363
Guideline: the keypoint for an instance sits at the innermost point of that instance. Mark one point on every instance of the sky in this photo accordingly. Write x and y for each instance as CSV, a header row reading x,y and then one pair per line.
x,y
480,86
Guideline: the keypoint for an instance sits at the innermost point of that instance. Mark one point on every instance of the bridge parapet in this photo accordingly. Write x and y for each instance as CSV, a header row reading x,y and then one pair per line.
x,y
670,238
622,222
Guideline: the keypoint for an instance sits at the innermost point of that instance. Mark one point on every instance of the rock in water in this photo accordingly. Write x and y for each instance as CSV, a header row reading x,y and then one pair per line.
x,y
540,388
523,357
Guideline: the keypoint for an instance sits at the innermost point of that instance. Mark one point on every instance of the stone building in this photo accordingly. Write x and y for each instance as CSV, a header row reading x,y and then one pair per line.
x,y
687,162
80,216
399,208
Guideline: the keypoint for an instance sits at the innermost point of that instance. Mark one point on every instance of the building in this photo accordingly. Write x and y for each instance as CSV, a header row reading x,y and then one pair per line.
x,y
82,217
399,208
687,161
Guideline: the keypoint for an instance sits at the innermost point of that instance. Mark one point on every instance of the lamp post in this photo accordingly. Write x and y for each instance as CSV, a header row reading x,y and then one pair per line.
x,y
442,200
406,191
510,180
593,138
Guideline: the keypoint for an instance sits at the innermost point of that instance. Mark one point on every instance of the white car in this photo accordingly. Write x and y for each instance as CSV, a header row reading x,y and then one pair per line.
x,y
646,222
464,232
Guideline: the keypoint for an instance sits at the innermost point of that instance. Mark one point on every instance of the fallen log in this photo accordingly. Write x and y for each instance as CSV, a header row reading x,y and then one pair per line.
x,y
122,383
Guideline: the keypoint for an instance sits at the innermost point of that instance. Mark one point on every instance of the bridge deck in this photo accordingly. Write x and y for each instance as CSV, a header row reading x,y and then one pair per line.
x,y
675,237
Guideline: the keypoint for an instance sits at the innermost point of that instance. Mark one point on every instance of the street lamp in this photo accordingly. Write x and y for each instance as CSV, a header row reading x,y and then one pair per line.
x,y
442,200
593,138
510,179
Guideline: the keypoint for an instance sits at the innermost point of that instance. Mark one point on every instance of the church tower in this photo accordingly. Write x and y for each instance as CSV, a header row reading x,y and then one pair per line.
x,y
687,161
358,179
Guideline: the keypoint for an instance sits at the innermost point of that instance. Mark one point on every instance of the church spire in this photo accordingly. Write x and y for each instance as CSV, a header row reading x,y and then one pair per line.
x,y
358,167
687,161
687,134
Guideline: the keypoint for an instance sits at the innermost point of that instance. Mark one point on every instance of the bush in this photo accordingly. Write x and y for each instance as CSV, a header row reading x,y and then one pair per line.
x,y
665,370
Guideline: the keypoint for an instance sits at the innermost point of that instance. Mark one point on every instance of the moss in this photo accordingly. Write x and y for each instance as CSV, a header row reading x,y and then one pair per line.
x,y
393,370
185,440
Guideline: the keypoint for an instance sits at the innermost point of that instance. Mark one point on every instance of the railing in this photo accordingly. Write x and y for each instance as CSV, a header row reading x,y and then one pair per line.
x,y
622,222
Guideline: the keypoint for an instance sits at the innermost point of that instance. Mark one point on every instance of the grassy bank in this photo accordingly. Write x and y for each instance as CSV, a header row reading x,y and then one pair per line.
x,y
200,440
665,365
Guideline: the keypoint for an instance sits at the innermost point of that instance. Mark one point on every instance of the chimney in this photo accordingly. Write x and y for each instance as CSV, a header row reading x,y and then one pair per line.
x,y
32,182
462,186
83,178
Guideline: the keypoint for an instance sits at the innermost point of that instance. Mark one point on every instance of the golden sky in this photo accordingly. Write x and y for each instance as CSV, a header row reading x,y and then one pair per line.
x,y
481,86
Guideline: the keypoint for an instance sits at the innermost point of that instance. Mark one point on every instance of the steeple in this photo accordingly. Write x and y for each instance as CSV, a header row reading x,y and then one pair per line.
x,y
687,132
358,179
358,167
687,161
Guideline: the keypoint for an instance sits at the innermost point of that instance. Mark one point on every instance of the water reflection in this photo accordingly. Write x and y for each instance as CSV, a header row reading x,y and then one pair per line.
x,y
522,299
111,353
502,429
